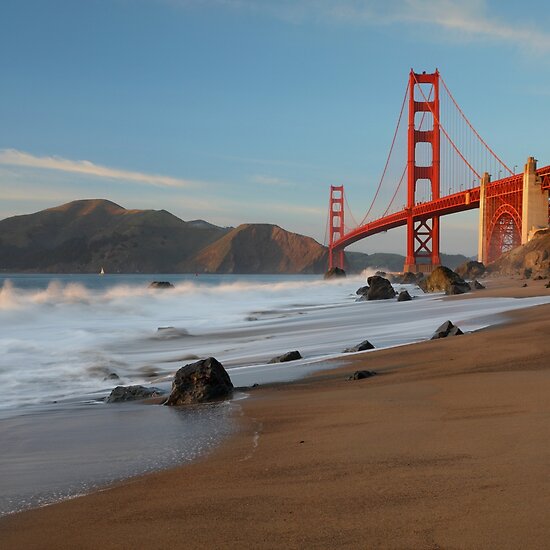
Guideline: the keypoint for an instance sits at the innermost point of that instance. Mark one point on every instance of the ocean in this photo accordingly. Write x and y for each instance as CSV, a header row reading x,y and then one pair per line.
x,y
67,340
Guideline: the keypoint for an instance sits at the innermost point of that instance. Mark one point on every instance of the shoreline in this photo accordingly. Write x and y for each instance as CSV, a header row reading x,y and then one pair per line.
x,y
273,417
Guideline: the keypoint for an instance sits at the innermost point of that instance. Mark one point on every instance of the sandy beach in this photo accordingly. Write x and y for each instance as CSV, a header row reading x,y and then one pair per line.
x,y
447,447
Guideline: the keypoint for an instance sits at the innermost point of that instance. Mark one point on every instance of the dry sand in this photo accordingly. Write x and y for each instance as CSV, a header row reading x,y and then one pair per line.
x,y
448,447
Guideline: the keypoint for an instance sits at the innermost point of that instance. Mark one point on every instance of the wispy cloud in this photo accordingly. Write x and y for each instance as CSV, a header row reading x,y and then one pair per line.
x,y
466,20
13,157
270,180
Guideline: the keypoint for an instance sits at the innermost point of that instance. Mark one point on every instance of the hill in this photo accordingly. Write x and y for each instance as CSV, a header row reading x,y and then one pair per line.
x,y
85,235
529,260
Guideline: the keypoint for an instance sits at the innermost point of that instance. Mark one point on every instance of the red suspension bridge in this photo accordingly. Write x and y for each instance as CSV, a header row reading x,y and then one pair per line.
x,y
448,168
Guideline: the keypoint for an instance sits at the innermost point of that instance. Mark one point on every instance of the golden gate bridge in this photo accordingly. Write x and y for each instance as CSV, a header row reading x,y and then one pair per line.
x,y
448,168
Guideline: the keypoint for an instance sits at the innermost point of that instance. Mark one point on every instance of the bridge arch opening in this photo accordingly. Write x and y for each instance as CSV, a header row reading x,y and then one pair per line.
x,y
423,154
423,91
423,121
423,191
504,232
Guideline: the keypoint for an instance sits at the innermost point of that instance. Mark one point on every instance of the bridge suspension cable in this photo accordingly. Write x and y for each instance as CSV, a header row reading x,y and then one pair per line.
x,y
497,158
365,217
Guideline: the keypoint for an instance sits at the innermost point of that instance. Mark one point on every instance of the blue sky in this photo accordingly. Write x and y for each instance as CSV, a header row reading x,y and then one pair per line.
x,y
246,111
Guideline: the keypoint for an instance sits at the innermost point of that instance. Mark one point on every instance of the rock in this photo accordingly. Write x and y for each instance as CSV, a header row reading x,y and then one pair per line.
x,y
122,394
379,288
198,382
475,284
161,284
362,290
404,296
409,278
523,285
531,259
547,285
112,376
471,270
360,374
334,273
171,333
380,273
365,345
446,329
442,279
288,356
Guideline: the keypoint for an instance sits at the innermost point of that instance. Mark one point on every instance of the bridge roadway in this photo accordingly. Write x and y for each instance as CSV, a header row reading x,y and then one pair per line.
x,y
451,204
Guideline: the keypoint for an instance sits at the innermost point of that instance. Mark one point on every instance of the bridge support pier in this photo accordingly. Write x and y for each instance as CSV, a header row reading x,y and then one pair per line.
x,y
534,211
482,248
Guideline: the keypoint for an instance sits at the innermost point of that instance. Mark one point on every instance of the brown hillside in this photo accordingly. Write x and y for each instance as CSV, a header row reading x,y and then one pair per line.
x,y
262,248
85,235
529,260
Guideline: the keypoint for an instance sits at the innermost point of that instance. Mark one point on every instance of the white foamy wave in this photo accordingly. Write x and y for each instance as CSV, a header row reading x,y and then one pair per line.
x,y
70,340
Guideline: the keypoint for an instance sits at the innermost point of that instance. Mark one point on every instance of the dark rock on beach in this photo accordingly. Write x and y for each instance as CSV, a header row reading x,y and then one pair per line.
x,y
199,382
334,273
361,374
363,346
404,296
361,291
443,279
409,278
379,288
122,394
288,356
161,284
476,285
471,270
446,329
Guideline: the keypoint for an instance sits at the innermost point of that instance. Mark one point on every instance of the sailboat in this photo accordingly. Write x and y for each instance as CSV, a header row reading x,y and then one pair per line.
x,y
102,272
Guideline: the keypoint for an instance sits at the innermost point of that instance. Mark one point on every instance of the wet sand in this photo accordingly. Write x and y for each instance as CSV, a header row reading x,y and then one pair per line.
x,y
448,447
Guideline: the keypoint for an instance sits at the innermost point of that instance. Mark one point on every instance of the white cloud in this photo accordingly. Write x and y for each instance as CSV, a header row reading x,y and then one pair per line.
x,y
13,157
466,20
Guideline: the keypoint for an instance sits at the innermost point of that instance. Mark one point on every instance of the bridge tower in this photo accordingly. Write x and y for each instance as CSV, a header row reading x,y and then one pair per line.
x,y
336,225
423,233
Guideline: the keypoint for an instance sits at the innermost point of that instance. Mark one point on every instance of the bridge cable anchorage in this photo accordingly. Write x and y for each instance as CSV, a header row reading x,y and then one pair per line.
x,y
498,159
389,155
444,131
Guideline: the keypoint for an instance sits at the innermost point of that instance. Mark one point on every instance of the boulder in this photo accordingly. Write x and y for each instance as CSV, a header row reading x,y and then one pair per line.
x,y
334,273
476,285
132,393
365,345
161,284
471,270
360,374
198,382
362,290
288,356
379,288
380,273
404,296
409,278
446,329
443,279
